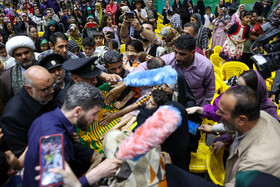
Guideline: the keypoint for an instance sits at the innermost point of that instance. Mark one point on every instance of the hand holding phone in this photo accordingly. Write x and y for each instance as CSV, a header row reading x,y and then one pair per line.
x,y
51,156
129,14
111,34
90,25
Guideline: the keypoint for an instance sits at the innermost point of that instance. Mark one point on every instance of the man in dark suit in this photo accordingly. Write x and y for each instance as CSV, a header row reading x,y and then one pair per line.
x,y
33,100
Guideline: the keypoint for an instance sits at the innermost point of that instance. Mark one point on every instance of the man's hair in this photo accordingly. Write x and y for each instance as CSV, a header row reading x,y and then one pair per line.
x,y
65,7
259,19
155,63
208,7
4,167
138,46
97,33
32,26
28,81
178,11
114,44
2,46
150,23
138,1
194,26
24,8
251,79
88,42
84,95
160,97
247,102
185,42
55,36
111,57
254,11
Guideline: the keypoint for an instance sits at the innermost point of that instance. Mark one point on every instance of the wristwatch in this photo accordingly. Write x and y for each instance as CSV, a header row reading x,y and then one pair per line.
x,y
141,29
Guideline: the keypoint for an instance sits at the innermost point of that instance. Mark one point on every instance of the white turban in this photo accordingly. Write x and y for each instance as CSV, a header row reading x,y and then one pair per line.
x,y
17,42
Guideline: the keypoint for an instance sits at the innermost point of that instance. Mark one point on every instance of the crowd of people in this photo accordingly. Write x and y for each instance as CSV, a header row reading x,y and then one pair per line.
x,y
78,81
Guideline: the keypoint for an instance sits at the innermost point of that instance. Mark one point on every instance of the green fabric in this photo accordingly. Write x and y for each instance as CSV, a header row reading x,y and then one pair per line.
x,y
52,22
245,178
17,81
92,137
44,41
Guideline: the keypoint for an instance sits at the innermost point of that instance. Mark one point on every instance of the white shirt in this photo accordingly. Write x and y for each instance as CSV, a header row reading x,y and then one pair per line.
x,y
143,14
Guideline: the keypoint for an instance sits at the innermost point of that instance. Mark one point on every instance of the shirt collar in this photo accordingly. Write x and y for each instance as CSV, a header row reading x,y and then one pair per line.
x,y
193,65
65,122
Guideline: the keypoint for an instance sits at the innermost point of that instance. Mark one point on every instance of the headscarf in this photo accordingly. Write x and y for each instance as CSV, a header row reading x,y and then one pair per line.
x,y
8,11
237,11
98,15
88,9
225,18
78,37
265,103
52,22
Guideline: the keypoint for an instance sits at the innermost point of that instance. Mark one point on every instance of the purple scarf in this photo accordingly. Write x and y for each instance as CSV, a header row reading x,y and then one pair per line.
x,y
265,103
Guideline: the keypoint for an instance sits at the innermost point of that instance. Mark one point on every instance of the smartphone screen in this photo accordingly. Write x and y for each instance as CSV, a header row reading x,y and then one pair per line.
x,y
51,156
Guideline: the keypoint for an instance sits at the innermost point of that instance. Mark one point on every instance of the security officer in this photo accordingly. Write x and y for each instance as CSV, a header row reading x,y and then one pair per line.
x,y
53,63
82,70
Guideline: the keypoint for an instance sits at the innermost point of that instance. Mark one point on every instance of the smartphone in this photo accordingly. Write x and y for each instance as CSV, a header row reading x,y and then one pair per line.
x,y
89,25
51,156
112,34
129,14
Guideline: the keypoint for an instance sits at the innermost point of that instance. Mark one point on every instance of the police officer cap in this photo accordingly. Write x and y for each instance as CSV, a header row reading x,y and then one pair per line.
x,y
83,67
51,61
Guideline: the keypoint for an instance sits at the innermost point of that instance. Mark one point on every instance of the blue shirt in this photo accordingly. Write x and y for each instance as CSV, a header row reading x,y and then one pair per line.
x,y
53,122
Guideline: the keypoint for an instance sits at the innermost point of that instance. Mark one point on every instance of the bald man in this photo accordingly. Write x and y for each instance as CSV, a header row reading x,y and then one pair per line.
x,y
33,100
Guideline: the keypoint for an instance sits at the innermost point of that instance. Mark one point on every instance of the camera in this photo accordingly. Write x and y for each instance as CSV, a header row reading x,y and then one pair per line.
x,y
271,61
129,14
111,34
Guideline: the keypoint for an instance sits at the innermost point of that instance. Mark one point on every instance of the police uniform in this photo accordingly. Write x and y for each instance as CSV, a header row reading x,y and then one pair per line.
x,y
52,61
82,67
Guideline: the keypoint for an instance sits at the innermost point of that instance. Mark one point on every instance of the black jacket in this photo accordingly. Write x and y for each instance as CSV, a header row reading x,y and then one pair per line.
x,y
18,115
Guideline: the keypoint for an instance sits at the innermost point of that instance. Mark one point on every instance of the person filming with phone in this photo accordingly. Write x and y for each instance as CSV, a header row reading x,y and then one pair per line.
x,y
81,106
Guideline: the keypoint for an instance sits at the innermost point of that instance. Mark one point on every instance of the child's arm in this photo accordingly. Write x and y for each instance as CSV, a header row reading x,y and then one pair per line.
x,y
120,104
109,117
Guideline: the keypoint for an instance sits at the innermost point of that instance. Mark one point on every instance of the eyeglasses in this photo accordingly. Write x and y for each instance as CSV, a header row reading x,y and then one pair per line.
x,y
47,90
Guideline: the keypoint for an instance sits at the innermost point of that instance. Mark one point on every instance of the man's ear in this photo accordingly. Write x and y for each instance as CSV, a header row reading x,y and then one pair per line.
x,y
29,90
51,45
78,111
193,52
242,120
75,78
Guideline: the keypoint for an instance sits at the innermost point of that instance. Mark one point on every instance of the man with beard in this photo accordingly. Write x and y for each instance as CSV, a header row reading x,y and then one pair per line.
x,y
257,136
53,63
81,106
33,33
33,100
113,64
22,49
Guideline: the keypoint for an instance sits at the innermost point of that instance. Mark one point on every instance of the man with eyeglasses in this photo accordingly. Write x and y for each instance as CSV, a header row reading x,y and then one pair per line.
x,y
33,100
21,48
